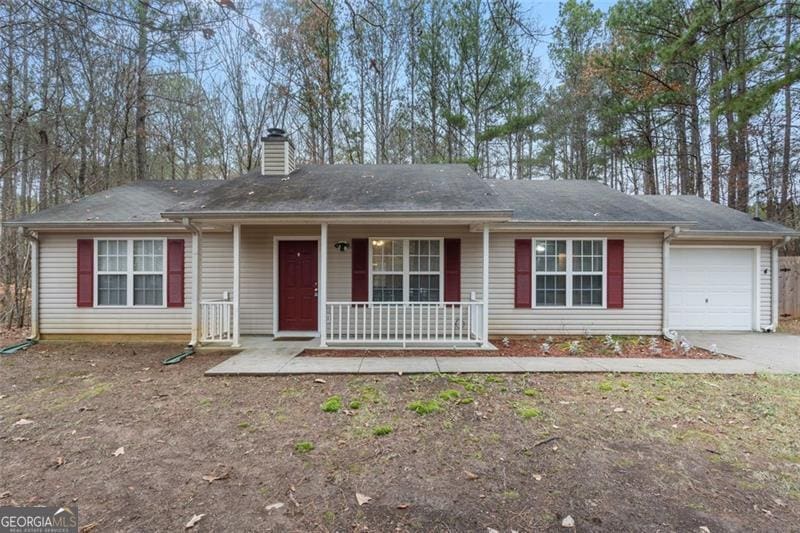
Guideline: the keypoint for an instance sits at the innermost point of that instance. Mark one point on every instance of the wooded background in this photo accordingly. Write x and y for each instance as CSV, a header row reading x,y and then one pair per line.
x,y
653,97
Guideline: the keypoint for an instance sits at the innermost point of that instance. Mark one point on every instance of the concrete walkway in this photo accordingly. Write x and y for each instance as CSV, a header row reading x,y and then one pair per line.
x,y
265,356
776,352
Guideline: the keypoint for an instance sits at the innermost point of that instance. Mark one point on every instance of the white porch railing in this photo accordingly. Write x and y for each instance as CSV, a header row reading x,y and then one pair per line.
x,y
404,323
216,321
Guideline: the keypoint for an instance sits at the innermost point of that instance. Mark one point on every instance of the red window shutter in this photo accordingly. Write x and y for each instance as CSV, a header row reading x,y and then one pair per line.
x,y
615,273
452,270
360,270
522,273
85,272
175,284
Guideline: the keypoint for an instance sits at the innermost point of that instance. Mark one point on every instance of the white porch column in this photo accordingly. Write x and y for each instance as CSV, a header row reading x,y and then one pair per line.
x,y
485,315
237,238
196,281
322,293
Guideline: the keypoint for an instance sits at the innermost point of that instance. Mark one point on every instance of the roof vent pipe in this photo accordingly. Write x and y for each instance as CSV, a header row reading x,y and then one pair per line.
x,y
277,153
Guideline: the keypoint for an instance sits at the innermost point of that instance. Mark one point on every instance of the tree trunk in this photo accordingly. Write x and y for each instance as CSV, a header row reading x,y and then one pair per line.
x,y
141,92
685,182
713,129
787,116
699,184
650,180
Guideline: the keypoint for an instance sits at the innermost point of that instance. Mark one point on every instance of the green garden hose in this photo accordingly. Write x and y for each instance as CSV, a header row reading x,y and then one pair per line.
x,y
178,358
14,348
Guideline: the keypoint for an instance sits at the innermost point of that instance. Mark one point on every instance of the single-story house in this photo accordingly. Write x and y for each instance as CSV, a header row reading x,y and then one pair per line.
x,y
405,254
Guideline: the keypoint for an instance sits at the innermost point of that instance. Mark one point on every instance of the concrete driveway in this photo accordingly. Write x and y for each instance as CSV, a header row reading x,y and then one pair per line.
x,y
775,351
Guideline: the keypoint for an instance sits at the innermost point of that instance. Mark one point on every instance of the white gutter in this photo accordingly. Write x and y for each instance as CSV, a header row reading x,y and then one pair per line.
x,y
196,279
34,239
773,326
668,236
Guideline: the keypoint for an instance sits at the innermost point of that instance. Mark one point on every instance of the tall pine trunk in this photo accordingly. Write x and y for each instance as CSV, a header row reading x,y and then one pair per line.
x,y
141,92
787,114
713,129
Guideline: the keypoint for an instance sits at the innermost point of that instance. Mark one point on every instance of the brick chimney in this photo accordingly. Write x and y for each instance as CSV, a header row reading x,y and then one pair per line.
x,y
277,153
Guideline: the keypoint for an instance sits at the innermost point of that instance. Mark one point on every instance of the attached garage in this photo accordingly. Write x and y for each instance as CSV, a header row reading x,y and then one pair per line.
x,y
713,288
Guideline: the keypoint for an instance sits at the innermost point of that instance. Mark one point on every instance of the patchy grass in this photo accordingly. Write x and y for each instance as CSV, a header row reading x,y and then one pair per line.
x,y
380,431
355,404
470,383
449,395
332,404
605,386
424,407
527,411
531,393
303,447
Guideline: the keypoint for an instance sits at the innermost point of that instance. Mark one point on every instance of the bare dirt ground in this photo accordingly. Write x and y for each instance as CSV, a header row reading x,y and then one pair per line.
x,y
548,346
522,452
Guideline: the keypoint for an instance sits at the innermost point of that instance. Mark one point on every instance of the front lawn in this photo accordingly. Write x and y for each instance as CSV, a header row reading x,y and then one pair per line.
x,y
138,446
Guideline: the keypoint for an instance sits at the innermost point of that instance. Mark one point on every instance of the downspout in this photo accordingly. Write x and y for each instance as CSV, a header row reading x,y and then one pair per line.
x,y
34,239
196,234
773,326
668,236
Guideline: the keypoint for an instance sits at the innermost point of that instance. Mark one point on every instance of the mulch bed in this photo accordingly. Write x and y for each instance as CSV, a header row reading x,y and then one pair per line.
x,y
545,346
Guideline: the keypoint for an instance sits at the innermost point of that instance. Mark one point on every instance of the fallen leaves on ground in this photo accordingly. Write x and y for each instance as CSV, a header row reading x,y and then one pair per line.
x,y
212,478
362,498
193,521
119,451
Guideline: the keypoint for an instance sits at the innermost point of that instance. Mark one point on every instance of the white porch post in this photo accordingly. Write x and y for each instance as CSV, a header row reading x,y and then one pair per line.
x,y
196,280
322,293
237,238
485,314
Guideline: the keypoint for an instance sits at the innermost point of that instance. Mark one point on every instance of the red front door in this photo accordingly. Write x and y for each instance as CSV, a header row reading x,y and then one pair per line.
x,y
297,285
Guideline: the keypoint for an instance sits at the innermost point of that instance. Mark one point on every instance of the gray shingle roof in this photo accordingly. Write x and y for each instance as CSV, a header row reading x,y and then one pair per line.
x,y
400,189
575,201
711,217
349,189
136,203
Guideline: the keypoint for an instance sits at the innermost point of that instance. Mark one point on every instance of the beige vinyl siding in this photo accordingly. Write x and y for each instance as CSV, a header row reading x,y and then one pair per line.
x,y
641,314
217,273
256,276
765,287
58,312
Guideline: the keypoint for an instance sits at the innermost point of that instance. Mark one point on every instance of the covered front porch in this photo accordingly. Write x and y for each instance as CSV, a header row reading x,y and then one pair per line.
x,y
345,284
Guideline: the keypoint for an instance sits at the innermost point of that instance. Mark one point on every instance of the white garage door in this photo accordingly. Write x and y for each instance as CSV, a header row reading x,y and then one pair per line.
x,y
711,288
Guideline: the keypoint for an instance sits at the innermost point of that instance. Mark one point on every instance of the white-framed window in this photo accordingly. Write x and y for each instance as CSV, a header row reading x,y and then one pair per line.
x,y
406,270
130,272
569,272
